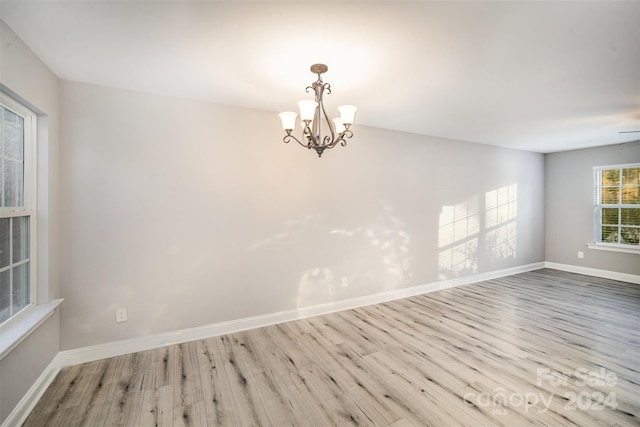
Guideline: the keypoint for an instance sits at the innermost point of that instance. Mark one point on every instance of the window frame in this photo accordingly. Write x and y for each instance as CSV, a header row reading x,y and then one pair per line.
x,y
598,206
29,208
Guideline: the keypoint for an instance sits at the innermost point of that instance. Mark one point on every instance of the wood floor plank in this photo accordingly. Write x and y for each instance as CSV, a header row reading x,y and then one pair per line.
x,y
187,386
193,415
528,349
157,407
163,366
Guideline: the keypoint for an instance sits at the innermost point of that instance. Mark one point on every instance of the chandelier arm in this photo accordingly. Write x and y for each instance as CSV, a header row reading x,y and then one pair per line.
x,y
289,137
334,142
341,138
329,141
346,133
312,138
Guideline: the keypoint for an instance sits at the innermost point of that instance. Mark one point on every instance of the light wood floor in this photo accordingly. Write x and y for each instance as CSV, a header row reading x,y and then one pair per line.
x,y
544,348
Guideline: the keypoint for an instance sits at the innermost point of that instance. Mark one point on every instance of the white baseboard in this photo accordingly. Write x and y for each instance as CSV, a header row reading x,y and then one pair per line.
x,y
118,348
29,400
607,274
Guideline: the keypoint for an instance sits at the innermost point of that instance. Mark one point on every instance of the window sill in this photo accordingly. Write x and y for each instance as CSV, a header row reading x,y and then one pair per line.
x,y
614,248
17,329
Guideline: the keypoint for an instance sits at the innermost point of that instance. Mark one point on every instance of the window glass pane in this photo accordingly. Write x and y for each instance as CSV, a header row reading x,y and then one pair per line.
x,y
13,184
631,195
2,174
20,287
20,238
2,137
5,297
610,234
610,196
11,118
630,236
610,215
11,159
630,216
610,177
631,176
13,128
5,242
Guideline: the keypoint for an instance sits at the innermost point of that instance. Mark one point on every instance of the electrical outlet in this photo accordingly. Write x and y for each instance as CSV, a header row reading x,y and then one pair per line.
x,y
345,282
121,315
580,254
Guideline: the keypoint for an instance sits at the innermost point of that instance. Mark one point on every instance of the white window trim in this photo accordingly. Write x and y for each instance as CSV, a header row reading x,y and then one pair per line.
x,y
30,208
613,247
606,246
20,326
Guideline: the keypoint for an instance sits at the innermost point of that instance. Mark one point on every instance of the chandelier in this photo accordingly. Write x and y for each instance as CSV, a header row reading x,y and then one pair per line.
x,y
312,114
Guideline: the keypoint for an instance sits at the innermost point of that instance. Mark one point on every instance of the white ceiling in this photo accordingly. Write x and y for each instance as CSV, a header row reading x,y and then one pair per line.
x,y
543,76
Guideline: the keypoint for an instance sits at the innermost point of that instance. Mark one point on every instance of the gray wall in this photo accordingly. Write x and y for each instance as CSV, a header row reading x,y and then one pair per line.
x,y
189,213
20,369
24,75
569,207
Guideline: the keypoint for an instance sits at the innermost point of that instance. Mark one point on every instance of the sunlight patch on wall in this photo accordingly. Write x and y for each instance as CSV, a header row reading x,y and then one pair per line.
x,y
501,211
316,286
458,229
481,230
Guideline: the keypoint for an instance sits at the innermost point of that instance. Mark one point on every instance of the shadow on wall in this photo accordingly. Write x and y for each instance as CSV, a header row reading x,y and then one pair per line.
x,y
375,257
477,230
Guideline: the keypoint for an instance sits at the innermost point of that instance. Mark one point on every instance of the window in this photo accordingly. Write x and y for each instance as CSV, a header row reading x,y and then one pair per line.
x,y
617,205
17,207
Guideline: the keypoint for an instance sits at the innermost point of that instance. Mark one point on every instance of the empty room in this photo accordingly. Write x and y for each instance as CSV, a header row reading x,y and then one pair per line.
x,y
303,213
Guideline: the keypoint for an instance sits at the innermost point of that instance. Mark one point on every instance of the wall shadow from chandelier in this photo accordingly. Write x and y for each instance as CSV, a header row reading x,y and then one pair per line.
x,y
374,255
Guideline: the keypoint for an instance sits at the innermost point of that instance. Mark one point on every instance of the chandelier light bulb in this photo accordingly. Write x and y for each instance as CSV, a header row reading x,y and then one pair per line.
x,y
288,120
307,109
347,114
339,125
